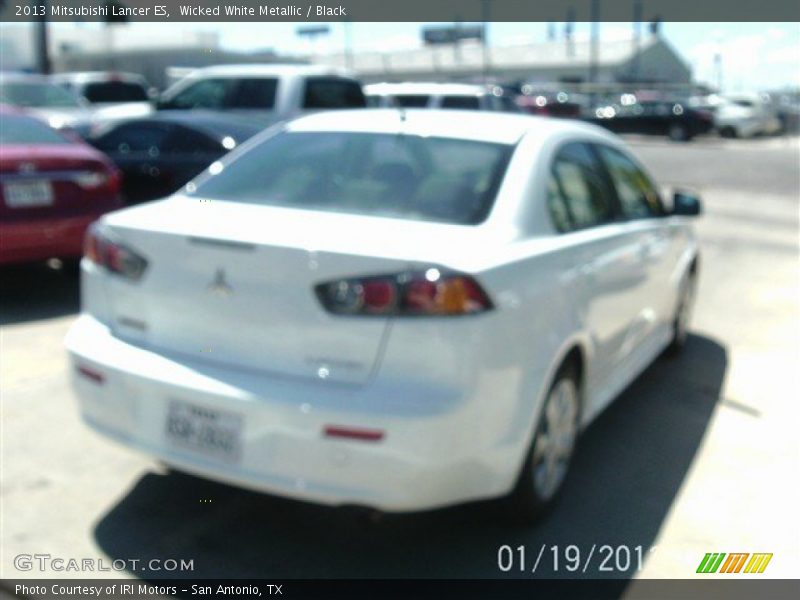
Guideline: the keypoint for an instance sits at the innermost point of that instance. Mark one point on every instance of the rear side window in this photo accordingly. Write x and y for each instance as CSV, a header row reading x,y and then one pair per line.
x,y
24,130
461,102
331,92
638,197
36,94
188,141
134,138
578,196
255,93
114,91
412,100
400,176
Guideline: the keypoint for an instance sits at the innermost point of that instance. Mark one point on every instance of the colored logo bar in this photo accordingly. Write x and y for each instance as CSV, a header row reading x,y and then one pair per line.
x,y
734,562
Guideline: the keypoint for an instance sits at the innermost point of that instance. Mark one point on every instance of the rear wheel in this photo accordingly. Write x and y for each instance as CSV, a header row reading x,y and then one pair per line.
x,y
551,450
678,132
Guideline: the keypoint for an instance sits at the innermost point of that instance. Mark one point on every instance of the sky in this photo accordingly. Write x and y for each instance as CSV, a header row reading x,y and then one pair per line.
x,y
753,55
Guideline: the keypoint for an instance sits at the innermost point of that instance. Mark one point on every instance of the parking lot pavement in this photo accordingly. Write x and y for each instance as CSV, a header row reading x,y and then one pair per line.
x,y
699,455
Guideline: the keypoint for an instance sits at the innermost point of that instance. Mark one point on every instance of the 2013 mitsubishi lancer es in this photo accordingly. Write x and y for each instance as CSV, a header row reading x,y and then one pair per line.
x,y
396,309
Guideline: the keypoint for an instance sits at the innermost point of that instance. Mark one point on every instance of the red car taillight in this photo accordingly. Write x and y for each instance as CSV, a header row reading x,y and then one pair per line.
x,y
107,179
113,256
414,293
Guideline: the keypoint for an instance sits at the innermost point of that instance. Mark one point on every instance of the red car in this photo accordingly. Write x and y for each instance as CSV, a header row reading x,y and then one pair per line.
x,y
51,188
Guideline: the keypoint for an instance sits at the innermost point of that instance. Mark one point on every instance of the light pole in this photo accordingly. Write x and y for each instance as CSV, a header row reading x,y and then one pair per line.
x,y
593,48
348,45
42,50
485,40
595,18
637,35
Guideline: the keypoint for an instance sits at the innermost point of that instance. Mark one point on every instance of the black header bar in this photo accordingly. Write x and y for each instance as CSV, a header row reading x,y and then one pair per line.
x,y
397,10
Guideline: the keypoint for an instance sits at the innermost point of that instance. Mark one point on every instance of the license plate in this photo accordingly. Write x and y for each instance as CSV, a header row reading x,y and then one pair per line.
x,y
212,432
25,194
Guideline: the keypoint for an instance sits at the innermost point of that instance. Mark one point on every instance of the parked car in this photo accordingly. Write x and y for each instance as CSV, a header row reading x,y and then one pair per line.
x,y
160,153
38,95
746,115
398,309
676,120
112,95
440,95
51,188
553,104
264,91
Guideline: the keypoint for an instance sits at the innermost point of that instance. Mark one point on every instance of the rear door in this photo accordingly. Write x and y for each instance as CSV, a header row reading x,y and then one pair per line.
x,y
603,257
641,207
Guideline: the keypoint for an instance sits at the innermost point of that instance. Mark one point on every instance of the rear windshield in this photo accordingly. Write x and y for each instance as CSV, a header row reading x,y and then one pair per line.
x,y
16,129
387,175
461,102
412,100
114,91
37,95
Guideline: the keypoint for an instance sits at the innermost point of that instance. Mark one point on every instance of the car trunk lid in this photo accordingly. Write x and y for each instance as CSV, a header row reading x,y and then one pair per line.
x,y
234,284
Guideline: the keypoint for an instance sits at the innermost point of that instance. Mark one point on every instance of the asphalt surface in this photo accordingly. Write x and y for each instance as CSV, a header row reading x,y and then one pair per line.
x,y
700,454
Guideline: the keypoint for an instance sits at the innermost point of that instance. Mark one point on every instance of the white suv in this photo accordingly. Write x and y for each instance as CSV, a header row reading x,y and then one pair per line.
x,y
439,95
269,90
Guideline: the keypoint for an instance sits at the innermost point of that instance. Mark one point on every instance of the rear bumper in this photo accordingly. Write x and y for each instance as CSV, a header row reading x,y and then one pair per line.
x,y
35,240
424,460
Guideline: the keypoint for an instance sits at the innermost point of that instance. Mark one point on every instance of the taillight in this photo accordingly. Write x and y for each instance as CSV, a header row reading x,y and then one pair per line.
x,y
113,256
91,179
414,293
104,178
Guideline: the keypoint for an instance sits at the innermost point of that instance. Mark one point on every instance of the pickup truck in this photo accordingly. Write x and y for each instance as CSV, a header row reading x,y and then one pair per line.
x,y
273,92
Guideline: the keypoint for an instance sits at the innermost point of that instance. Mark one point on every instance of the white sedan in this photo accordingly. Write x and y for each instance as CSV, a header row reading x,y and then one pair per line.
x,y
394,309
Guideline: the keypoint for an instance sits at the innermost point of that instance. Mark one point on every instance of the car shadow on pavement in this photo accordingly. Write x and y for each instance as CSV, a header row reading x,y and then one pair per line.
x,y
628,469
33,292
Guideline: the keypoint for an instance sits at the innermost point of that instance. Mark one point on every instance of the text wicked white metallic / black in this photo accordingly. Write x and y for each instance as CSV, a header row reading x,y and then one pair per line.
x,y
394,309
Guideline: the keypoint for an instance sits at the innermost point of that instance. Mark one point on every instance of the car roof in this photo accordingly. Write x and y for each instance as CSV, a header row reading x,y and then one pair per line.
x,y
215,125
496,127
424,88
265,70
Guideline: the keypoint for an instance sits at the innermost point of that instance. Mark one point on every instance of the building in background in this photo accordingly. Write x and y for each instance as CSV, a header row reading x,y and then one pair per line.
x,y
653,60
154,54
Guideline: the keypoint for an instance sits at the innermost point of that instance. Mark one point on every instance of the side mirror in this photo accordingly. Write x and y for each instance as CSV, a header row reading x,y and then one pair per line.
x,y
685,204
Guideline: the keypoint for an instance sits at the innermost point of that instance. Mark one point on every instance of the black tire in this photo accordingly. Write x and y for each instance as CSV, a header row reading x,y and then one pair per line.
x,y
678,132
680,321
527,502
728,132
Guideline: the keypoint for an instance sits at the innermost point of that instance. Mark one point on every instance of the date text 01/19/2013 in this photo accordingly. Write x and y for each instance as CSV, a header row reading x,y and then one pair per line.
x,y
571,558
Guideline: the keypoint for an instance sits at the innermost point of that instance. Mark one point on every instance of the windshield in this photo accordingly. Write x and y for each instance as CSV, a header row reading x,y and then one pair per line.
x,y
114,91
17,129
37,95
390,175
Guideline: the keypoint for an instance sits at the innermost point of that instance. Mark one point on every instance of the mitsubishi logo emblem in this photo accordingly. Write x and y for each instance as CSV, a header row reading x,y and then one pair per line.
x,y
219,285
